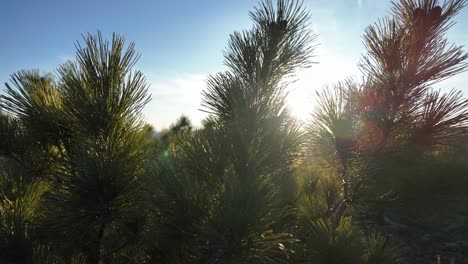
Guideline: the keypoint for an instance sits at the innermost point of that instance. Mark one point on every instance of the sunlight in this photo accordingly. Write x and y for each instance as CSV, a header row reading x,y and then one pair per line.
x,y
301,98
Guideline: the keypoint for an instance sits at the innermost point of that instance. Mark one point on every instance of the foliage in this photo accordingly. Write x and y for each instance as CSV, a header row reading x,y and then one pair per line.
x,y
380,250
394,116
84,180
329,244
20,206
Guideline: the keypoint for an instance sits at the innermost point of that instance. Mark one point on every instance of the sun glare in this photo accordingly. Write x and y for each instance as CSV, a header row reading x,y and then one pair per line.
x,y
302,96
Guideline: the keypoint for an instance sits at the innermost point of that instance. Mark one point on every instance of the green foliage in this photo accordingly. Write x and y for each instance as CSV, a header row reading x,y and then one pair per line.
x,y
332,244
318,194
102,191
415,122
102,177
99,88
382,134
181,202
20,207
85,128
218,188
380,250
10,131
37,104
260,140
390,137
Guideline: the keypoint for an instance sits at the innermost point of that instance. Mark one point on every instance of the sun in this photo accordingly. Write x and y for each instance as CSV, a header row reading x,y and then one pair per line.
x,y
300,102
301,96
302,93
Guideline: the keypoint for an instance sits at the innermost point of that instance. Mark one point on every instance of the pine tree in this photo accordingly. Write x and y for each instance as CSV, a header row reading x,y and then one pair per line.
x,y
394,116
87,125
248,103
231,175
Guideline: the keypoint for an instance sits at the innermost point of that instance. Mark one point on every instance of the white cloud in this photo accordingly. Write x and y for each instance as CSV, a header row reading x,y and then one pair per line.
x,y
172,97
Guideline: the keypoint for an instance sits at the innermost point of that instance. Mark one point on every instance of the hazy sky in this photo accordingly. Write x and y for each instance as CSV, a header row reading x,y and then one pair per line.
x,y
181,43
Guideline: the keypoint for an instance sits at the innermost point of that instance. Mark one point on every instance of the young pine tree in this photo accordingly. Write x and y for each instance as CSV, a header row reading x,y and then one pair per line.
x,y
234,173
87,125
381,132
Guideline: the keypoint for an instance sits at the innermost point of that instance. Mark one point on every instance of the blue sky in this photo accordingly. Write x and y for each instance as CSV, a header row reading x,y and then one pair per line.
x,y
181,43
